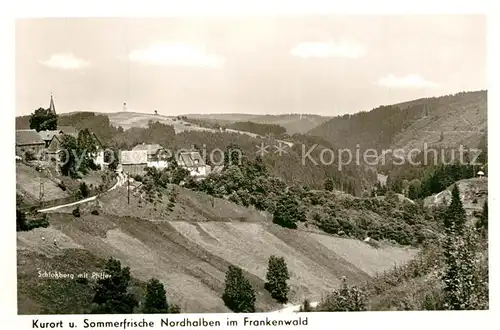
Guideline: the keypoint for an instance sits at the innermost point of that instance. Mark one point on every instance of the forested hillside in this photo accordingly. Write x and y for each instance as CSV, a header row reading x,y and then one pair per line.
x,y
445,121
293,123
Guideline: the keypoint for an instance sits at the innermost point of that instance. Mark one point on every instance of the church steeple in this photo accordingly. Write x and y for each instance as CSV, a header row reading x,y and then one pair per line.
x,y
52,108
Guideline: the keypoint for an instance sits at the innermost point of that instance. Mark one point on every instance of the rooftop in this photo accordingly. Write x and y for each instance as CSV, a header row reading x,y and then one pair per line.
x,y
191,159
152,149
133,157
28,137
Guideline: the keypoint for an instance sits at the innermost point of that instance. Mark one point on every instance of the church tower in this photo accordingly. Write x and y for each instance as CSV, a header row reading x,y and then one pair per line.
x,y
52,108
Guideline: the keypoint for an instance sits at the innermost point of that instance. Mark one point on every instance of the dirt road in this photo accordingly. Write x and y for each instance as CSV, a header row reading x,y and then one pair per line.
x,y
120,181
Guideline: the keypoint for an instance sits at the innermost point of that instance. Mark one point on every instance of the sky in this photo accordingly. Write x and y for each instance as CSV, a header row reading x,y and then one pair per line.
x,y
327,65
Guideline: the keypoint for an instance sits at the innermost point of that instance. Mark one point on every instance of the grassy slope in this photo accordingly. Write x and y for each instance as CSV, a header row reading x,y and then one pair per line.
x,y
191,256
28,183
473,193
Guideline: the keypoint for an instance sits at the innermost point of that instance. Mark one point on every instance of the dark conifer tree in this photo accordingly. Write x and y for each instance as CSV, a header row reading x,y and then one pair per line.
x,y
277,275
156,300
239,296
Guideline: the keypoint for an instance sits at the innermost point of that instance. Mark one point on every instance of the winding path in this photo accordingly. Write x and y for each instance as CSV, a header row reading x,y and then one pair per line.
x,y
120,181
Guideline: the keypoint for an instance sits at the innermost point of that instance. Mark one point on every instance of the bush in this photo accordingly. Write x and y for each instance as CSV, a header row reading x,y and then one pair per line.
x,y
21,224
306,307
82,280
95,212
76,212
288,212
29,156
174,309
329,185
84,190
38,223
345,299
62,186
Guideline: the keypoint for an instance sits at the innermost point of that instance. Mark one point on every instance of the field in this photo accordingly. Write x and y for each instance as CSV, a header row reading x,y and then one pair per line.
x,y
28,182
135,119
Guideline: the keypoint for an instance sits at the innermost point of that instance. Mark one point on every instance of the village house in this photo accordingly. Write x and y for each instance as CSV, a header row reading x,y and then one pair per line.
x,y
53,139
194,163
157,156
99,153
53,148
28,140
133,162
48,135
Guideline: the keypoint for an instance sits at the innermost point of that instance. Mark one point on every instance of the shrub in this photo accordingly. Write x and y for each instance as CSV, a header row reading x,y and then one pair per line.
x,y
95,212
306,307
62,186
174,309
76,212
38,223
29,156
21,224
345,299
329,185
82,280
288,212
84,190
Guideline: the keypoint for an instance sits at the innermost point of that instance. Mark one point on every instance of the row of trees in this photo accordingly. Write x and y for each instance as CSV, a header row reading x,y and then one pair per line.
x,y
432,180
112,294
257,128
239,295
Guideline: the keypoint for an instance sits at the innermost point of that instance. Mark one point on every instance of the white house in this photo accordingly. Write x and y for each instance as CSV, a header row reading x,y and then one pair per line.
x,y
194,163
157,156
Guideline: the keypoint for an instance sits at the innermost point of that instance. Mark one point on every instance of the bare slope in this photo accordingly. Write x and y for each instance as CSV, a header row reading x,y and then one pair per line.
x,y
191,256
